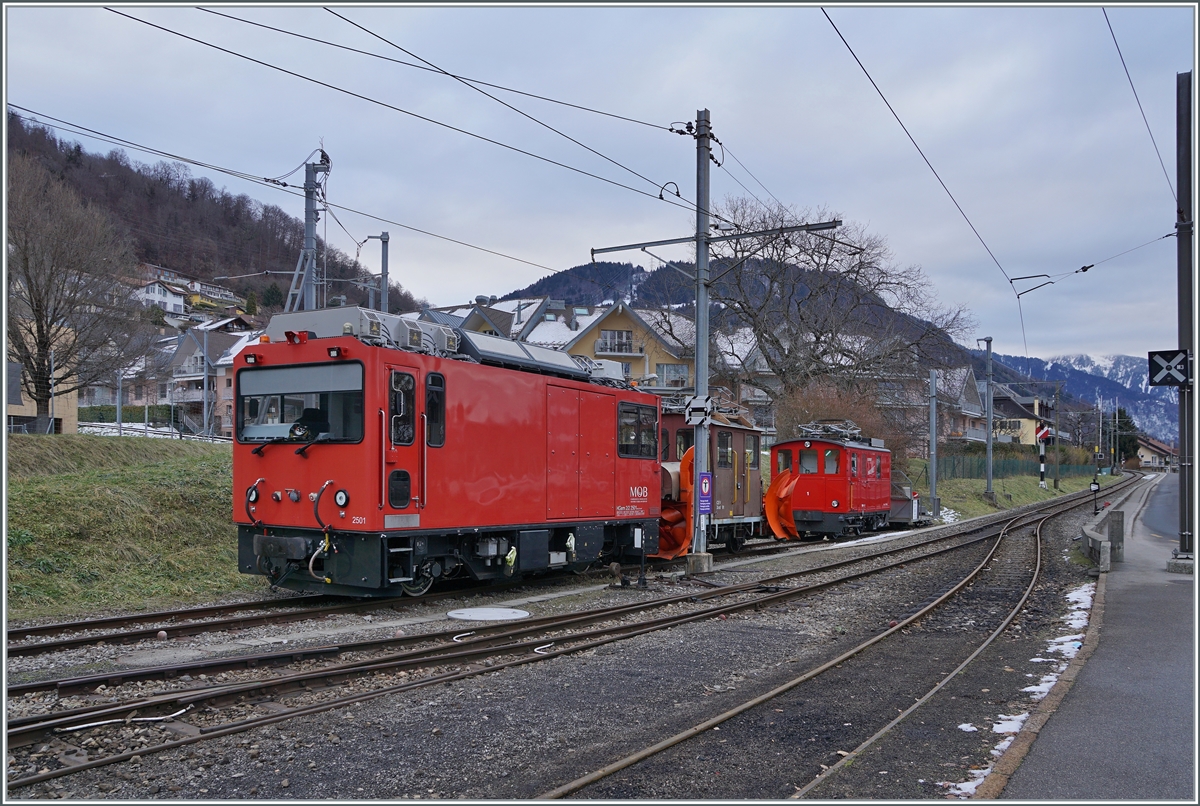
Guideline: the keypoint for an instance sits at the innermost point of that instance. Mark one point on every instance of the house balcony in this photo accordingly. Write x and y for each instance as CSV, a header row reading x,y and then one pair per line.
x,y
191,396
970,435
617,348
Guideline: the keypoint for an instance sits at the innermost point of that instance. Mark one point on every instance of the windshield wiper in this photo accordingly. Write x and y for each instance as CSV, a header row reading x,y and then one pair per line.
x,y
273,441
300,451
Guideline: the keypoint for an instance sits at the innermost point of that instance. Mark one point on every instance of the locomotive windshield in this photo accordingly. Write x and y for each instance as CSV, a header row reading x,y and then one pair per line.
x,y
305,403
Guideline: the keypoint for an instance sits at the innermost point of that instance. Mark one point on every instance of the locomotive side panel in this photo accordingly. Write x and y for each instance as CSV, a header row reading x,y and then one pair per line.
x,y
597,455
562,452
490,467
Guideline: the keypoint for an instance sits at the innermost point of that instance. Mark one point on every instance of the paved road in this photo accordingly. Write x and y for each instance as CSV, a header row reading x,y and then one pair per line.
x,y
1127,729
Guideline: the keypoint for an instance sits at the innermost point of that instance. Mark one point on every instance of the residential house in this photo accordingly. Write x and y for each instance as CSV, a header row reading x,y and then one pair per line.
x,y
223,416
965,414
196,378
203,294
22,410
172,298
1155,455
654,355
510,319
1017,417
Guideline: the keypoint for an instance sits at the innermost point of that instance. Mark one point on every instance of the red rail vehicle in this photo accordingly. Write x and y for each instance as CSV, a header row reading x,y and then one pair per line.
x,y
828,483
734,459
375,454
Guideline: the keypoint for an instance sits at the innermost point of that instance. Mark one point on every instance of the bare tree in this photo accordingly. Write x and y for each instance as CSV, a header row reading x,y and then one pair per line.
x,y
67,307
829,307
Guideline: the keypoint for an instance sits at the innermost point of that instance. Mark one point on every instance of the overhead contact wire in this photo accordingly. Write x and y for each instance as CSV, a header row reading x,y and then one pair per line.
x,y
1139,105
402,111
431,69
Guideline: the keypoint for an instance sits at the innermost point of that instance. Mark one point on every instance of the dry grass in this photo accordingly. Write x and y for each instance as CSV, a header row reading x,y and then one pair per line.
x,y
97,523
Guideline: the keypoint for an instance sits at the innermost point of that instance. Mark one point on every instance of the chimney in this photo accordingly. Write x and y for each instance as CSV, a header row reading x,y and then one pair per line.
x,y
491,301
481,300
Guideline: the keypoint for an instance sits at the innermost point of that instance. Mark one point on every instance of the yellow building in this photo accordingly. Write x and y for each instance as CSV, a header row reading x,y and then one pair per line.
x,y
22,411
653,347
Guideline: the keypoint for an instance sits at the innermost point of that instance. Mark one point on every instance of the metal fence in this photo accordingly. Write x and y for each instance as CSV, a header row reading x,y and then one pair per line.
x,y
975,467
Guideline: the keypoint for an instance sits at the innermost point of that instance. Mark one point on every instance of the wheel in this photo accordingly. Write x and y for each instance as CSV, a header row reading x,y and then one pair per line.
x,y
418,586
736,543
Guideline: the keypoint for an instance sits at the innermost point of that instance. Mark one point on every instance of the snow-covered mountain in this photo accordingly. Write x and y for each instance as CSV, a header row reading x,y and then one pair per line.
x,y
1120,379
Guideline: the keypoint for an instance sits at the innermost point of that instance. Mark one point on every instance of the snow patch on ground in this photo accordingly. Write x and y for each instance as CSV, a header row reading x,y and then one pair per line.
x,y
1010,725
1063,646
949,515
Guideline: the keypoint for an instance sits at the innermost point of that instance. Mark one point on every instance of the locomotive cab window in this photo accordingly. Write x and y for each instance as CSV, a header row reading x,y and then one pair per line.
x,y
854,465
637,431
320,402
666,445
724,449
783,461
684,438
435,410
808,461
401,407
832,461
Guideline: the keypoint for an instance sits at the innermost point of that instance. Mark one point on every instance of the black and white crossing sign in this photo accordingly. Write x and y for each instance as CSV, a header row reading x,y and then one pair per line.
x,y
1169,368
698,410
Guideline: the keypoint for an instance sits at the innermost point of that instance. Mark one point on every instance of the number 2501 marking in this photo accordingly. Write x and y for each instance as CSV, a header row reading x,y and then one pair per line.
x,y
358,519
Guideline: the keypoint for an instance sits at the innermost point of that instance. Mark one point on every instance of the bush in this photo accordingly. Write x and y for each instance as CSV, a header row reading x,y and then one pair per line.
x,y
159,415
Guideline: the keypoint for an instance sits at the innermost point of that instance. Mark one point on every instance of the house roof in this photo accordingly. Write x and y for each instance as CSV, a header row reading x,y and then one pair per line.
x,y
1152,444
192,342
244,340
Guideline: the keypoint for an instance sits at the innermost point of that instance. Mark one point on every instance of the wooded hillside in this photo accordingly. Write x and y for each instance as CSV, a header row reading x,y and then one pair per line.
x,y
188,224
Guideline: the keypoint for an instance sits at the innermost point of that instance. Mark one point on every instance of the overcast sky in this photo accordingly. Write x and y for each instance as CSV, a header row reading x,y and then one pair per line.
x,y
1026,114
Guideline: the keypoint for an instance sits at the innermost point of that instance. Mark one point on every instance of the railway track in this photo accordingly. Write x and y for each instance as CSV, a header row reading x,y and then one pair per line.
x,y
1007,574
24,641
468,652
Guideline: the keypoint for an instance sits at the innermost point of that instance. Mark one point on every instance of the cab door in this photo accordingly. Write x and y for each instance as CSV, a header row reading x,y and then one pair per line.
x,y
739,474
402,473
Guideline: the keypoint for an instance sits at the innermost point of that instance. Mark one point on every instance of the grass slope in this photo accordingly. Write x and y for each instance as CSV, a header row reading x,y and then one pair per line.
x,y
965,496
98,523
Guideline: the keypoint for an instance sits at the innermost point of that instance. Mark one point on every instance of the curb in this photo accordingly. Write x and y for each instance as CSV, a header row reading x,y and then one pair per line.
x,y
997,779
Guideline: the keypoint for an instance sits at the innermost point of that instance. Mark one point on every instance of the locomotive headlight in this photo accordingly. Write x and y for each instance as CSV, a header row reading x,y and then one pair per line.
x,y
833,503
341,498
253,494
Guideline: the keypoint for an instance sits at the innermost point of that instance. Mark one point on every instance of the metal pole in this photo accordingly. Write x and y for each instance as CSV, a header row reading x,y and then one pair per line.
x,y
935,505
120,397
204,388
310,236
383,277
1057,455
1184,235
989,493
50,425
703,155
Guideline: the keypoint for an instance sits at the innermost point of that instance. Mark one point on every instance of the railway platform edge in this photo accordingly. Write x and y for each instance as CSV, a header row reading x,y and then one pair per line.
x,y
1120,721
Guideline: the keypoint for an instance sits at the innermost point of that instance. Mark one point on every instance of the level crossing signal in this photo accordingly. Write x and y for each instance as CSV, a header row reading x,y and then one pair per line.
x,y
1170,368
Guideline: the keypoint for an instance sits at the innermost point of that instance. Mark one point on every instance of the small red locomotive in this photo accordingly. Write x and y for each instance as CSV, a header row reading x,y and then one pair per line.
x,y
828,483
375,455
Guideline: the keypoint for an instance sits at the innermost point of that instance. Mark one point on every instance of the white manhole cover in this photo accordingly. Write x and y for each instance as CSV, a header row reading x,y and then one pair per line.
x,y
488,614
